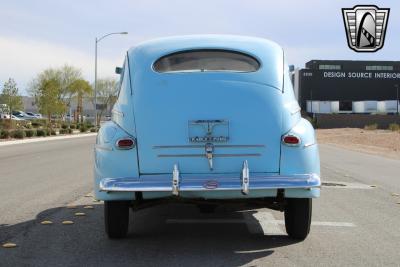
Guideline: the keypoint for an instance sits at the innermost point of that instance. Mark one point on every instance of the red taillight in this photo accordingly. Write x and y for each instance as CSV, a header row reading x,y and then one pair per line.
x,y
291,140
125,143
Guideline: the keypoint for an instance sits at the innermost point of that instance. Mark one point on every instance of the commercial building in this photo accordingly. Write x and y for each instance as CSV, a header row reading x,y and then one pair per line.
x,y
345,86
87,110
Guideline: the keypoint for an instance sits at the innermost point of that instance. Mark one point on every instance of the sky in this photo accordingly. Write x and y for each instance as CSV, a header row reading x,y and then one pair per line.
x,y
35,35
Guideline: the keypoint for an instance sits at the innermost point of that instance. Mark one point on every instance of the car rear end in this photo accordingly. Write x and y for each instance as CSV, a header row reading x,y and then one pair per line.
x,y
205,119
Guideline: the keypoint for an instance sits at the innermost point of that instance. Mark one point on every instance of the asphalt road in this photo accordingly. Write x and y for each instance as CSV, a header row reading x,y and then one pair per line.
x,y
354,224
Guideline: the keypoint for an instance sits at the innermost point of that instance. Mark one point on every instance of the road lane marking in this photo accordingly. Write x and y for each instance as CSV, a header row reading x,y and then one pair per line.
x,y
345,185
205,221
265,224
316,223
258,222
335,224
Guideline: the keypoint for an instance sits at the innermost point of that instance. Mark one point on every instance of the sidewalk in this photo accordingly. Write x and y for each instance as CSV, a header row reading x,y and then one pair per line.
x,y
49,138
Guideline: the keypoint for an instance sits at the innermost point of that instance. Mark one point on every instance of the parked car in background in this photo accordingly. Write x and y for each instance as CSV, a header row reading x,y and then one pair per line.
x,y
36,115
22,115
207,119
15,118
71,117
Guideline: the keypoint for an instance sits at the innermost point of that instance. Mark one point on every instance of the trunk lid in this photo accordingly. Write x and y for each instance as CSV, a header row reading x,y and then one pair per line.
x,y
188,119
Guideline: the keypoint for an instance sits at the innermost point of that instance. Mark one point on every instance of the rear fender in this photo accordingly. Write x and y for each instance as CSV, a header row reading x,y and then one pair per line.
x,y
112,162
304,158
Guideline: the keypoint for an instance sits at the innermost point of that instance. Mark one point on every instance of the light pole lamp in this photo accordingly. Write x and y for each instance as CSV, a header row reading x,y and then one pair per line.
x,y
95,71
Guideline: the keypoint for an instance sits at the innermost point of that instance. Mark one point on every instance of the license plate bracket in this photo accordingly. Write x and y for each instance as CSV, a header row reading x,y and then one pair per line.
x,y
205,131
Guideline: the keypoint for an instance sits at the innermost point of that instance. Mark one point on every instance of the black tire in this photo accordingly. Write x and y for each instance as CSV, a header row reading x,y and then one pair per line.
x,y
207,208
116,218
298,217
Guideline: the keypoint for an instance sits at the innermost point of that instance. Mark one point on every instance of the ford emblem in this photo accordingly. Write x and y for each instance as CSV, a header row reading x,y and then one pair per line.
x,y
211,184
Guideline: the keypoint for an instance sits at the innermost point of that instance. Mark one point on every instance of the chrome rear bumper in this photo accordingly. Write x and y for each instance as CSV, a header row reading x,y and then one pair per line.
x,y
176,182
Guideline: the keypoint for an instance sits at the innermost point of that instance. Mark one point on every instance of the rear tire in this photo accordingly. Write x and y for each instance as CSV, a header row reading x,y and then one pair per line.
x,y
116,218
298,217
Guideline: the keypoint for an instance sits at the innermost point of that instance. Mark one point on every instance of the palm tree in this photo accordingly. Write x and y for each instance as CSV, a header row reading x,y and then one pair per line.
x,y
80,88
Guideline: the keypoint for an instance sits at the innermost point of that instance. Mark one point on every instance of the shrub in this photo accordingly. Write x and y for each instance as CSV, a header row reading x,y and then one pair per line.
x,y
83,129
41,132
18,134
372,126
57,124
70,131
30,133
51,132
89,124
36,123
72,126
65,131
394,127
64,126
93,130
4,134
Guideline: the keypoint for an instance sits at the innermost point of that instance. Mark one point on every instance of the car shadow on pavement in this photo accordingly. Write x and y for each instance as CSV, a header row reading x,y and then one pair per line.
x,y
158,236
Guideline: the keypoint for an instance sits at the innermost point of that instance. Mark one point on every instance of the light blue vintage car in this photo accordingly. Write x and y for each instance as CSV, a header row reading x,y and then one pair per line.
x,y
206,119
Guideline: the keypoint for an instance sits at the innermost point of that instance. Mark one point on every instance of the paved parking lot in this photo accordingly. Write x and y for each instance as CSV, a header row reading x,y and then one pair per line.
x,y
355,222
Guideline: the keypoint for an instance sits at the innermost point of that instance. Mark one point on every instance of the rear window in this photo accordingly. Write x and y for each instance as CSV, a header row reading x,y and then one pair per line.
x,y
207,61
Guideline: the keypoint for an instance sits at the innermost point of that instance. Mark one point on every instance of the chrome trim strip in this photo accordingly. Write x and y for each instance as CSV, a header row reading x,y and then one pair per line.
x,y
179,146
203,156
309,144
202,146
238,155
181,155
239,146
101,147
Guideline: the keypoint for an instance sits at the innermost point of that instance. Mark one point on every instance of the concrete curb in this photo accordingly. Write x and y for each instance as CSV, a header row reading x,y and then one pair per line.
x,y
41,139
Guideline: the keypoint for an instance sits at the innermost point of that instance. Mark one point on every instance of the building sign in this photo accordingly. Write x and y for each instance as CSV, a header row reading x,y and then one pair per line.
x,y
361,75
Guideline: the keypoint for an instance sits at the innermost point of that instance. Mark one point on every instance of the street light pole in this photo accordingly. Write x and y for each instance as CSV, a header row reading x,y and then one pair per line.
x,y
95,85
397,98
97,40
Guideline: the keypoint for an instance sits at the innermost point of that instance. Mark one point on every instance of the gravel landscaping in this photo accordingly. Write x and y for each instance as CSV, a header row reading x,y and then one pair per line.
x,y
379,142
